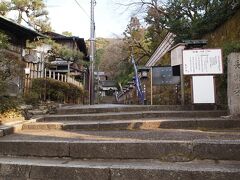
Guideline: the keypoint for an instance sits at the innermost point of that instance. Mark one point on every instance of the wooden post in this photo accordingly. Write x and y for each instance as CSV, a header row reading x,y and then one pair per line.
x,y
27,79
38,70
54,74
26,84
84,81
35,71
151,86
30,77
42,69
182,86
45,73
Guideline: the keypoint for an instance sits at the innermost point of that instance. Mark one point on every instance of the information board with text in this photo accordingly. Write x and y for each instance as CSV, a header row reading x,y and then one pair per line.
x,y
202,61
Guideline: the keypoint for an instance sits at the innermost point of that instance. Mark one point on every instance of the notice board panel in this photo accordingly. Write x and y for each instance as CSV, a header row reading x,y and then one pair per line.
x,y
202,62
164,76
203,89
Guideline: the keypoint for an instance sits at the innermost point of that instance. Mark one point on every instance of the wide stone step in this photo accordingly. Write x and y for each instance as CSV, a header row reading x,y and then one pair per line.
x,y
10,127
165,150
130,108
66,169
187,123
124,135
155,124
119,108
135,115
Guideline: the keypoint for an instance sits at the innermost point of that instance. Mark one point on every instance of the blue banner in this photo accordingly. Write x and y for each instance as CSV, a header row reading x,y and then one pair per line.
x,y
140,92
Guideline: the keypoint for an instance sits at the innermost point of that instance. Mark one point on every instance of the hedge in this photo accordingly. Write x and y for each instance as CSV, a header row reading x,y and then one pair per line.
x,y
53,90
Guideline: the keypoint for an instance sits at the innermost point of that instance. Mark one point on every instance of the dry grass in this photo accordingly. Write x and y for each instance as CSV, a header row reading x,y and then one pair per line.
x,y
11,115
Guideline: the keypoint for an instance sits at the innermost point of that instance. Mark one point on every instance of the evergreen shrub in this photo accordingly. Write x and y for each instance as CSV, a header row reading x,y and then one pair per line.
x,y
53,90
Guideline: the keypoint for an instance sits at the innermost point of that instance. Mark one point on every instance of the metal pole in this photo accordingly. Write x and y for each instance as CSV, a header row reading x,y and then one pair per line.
x,y
92,53
98,79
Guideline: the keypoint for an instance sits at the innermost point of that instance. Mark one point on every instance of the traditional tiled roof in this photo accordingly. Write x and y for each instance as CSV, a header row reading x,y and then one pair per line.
x,y
19,31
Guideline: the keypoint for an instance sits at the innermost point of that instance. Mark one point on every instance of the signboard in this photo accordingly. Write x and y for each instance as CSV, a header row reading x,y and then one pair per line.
x,y
27,71
203,89
177,55
202,61
164,75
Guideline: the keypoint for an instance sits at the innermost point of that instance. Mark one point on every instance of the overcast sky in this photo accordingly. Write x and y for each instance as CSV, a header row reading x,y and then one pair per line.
x,y
66,15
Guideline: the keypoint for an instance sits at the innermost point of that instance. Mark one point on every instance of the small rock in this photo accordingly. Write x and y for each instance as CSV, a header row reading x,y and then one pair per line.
x,y
26,114
26,107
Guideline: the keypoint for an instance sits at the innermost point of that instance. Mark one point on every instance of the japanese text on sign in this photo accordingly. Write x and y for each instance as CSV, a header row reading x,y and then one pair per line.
x,y
203,61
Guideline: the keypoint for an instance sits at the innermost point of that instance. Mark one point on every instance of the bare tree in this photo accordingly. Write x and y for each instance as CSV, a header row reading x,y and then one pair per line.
x,y
142,6
113,58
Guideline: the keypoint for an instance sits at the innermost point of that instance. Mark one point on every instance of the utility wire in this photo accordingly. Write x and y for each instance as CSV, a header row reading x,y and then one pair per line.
x,y
85,12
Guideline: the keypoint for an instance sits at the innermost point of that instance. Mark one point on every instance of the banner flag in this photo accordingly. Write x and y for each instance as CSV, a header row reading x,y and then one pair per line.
x,y
140,93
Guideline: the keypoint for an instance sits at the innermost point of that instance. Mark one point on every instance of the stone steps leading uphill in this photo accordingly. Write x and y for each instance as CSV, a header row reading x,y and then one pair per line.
x,y
124,142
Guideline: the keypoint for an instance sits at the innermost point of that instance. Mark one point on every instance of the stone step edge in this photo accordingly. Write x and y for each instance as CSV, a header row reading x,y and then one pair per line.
x,y
129,115
136,124
67,110
138,112
13,127
102,170
165,150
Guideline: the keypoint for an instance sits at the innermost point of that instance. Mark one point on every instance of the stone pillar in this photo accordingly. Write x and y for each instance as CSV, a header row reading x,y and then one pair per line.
x,y
234,83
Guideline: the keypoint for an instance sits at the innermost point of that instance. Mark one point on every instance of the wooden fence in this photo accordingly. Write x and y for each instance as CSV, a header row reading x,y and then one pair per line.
x,y
37,71
60,77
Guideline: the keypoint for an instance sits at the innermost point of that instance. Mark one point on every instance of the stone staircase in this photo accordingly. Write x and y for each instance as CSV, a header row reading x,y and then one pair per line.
x,y
114,142
108,100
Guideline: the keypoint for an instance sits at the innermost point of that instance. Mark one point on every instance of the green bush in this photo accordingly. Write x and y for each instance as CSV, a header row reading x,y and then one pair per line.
x,y
221,81
56,90
31,98
231,47
8,103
